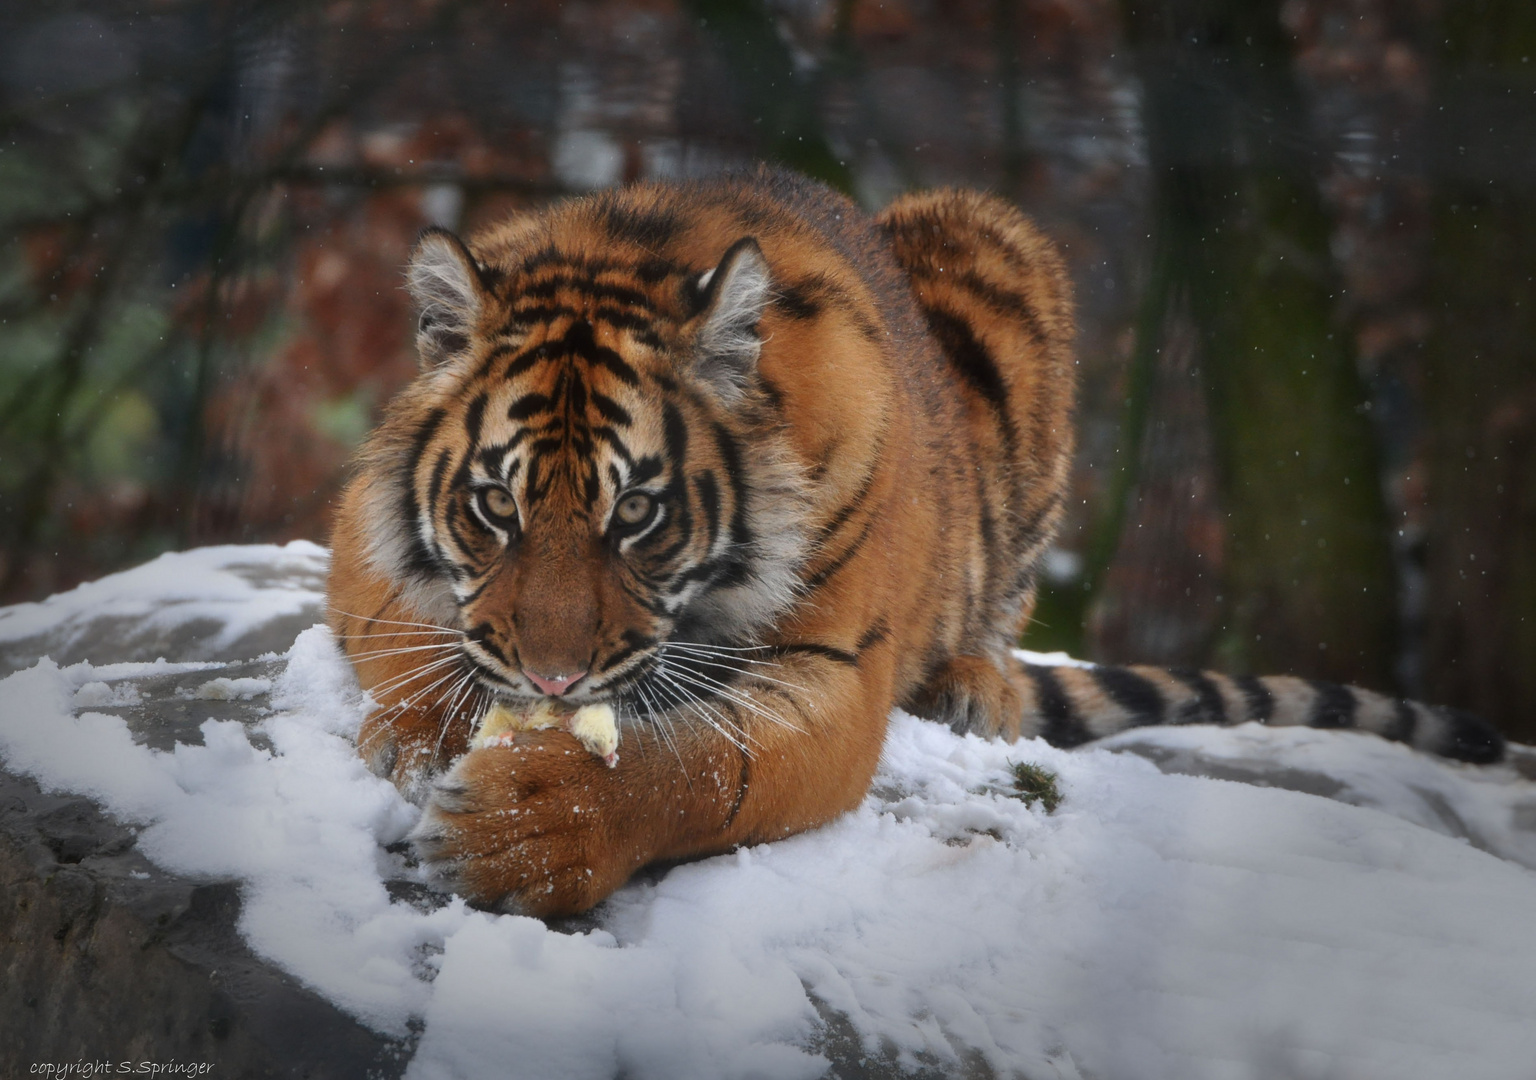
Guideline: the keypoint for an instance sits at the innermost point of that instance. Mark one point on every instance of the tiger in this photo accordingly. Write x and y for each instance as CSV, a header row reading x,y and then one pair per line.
x,y
753,468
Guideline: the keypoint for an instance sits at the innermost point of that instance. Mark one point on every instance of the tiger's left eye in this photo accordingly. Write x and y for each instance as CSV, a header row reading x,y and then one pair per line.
x,y
634,508
498,505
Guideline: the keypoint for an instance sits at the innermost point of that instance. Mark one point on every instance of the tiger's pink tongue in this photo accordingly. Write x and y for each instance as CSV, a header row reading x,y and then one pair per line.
x,y
555,685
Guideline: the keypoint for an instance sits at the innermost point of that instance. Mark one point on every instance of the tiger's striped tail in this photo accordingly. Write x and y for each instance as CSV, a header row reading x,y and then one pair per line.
x,y
1073,705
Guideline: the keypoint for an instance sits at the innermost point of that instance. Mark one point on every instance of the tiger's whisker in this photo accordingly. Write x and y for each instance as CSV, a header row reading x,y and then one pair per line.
x,y
459,690
716,688
687,669
399,634
719,648
703,682
705,712
676,694
454,694
410,675
694,650
409,702
747,674
406,703
399,686
374,654
664,730
394,622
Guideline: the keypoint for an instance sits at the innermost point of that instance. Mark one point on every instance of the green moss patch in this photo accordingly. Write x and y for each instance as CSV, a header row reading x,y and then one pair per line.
x,y
1036,783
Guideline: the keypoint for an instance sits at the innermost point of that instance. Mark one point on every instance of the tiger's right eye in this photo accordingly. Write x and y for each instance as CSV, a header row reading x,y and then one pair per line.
x,y
498,506
635,508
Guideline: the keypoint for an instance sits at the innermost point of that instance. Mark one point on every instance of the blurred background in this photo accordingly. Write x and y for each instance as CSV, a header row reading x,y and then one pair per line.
x,y
1303,235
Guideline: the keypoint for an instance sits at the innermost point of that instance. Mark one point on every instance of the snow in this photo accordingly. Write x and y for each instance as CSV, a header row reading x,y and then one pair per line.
x,y
231,591
1480,806
240,689
1158,925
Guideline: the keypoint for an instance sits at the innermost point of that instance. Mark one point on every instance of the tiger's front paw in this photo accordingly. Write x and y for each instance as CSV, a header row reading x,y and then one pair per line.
x,y
408,754
537,827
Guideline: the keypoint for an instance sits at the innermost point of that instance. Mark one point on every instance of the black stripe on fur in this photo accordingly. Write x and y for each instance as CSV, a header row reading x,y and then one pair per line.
x,y
1261,703
1209,707
1136,695
1063,727
1469,737
1333,707
1405,721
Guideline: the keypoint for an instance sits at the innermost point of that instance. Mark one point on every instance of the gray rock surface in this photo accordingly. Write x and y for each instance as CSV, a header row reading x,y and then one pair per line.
x,y
104,957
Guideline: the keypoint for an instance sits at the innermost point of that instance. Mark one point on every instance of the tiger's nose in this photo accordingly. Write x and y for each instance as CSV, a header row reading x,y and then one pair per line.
x,y
553,685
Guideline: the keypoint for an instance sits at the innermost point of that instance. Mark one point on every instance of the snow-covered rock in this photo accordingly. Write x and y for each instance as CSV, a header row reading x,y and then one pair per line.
x,y
1348,908
218,603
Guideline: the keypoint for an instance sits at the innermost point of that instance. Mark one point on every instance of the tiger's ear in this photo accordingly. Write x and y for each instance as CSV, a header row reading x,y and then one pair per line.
x,y
446,283
734,295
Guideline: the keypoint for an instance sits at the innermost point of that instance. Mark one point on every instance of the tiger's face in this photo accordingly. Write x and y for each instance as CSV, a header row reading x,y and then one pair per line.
x,y
580,487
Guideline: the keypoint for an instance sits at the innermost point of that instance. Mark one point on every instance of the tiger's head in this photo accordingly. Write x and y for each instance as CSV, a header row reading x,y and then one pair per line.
x,y
589,467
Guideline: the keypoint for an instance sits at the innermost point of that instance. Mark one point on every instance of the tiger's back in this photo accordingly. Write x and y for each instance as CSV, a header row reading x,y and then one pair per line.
x,y
740,461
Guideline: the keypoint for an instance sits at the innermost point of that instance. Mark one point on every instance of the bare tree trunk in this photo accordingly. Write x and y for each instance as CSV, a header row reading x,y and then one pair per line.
x,y
1160,599
1480,377
785,105
1239,230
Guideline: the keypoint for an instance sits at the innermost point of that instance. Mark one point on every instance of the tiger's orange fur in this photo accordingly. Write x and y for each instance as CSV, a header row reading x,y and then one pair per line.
x,y
851,437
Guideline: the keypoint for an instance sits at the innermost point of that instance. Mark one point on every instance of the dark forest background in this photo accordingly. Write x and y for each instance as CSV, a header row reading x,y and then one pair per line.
x,y
1303,235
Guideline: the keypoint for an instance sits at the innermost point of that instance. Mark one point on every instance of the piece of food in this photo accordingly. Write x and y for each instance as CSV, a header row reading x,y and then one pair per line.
x,y
594,726
501,722
598,730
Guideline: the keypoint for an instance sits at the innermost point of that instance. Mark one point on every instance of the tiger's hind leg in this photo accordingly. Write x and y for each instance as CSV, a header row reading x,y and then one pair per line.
x,y
973,694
